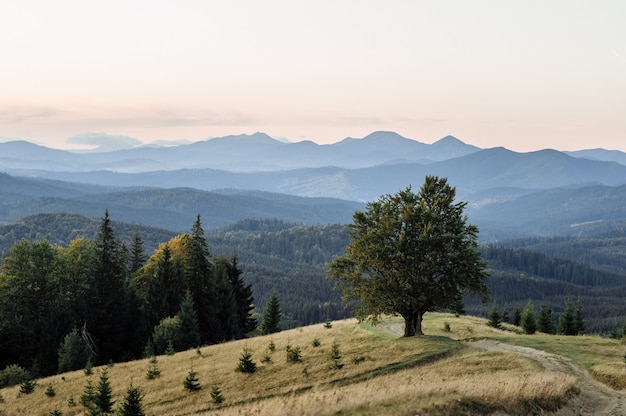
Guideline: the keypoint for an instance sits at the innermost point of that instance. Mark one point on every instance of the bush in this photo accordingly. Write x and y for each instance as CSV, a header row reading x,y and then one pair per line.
x,y
166,333
316,342
50,392
293,354
13,375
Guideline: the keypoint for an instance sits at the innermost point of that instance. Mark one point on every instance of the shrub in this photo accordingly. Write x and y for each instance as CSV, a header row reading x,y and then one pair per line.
x,y
13,375
316,342
293,354
50,392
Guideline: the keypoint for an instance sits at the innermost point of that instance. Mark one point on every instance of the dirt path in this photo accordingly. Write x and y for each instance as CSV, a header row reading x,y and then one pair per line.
x,y
595,398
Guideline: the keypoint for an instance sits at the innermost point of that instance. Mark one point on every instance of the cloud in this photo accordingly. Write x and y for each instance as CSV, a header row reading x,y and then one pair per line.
x,y
104,142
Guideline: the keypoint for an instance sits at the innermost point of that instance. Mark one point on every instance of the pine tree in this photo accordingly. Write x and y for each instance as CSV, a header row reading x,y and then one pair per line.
x,y
189,326
87,399
104,394
567,319
243,297
199,280
517,317
216,395
545,323
191,382
246,364
494,316
528,321
227,303
271,316
579,320
132,403
137,256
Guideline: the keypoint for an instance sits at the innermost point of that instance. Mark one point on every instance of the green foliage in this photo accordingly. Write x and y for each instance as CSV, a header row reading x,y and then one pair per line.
x,y
495,319
246,364
28,386
73,352
216,395
13,375
103,398
294,354
153,370
51,392
88,370
571,321
189,330
167,333
328,324
410,254
335,355
271,346
517,317
446,326
56,412
528,321
271,316
316,342
191,382
87,399
545,322
132,405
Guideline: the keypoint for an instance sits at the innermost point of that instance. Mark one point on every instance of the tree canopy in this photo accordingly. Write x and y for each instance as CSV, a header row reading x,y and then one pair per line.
x,y
410,254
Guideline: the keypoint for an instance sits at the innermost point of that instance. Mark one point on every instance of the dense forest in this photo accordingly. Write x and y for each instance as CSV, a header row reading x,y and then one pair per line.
x,y
99,300
64,274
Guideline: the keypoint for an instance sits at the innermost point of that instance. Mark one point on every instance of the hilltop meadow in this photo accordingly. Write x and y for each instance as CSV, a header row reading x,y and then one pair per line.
x,y
461,366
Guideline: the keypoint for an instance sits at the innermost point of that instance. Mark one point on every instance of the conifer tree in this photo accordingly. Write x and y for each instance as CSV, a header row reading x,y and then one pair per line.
x,y
132,403
243,297
579,319
528,320
191,382
271,315
570,320
199,280
246,364
189,327
104,394
545,322
517,317
494,316
137,256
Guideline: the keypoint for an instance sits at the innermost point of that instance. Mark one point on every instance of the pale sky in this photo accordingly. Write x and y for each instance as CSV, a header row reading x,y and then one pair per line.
x,y
526,75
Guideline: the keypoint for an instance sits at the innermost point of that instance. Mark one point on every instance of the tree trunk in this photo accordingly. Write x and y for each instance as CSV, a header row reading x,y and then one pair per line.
x,y
413,324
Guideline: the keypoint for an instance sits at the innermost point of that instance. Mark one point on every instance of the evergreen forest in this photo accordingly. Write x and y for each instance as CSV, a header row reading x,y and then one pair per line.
x,y
75,290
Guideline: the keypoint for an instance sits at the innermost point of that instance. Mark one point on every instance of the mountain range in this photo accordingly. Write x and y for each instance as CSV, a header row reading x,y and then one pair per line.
x,y
234,177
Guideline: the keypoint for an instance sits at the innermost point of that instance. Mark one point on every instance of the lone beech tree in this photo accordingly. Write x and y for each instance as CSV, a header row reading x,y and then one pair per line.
x,y
410,254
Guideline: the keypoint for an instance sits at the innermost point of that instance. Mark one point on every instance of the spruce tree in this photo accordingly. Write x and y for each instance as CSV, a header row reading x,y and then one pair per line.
x,y
137,256
517,317
271,316
528,321
567,319
199,280
189,326
494,316
191,382
104,394
132,403
246,364
545,322
243,297
579,320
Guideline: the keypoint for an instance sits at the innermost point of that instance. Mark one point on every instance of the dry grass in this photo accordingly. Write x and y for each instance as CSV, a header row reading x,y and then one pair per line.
x,y
381,374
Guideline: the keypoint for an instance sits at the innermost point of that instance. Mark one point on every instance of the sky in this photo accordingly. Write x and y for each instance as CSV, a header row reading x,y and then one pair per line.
x,y
524,75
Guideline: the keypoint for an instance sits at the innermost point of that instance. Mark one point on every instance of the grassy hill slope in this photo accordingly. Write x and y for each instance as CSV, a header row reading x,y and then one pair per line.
x,y
380,374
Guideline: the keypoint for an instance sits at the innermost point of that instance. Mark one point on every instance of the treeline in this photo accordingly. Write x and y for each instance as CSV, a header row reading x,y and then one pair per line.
x,y
101,300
